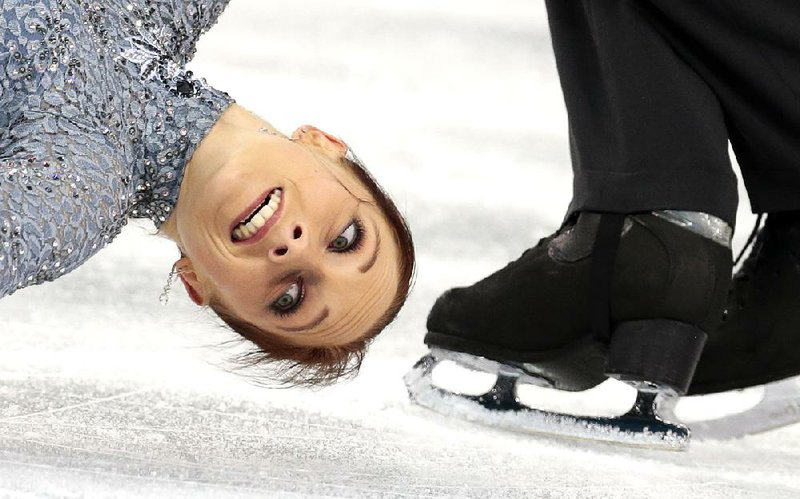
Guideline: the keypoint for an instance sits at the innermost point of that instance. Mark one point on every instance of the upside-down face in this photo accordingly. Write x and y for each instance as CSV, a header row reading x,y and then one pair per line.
x,y
285,237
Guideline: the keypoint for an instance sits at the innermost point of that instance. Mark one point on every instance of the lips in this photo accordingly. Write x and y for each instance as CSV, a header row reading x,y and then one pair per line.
x,y
257,219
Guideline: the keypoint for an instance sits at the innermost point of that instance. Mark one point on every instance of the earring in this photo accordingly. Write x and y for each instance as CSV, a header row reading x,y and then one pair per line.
x,y
163,298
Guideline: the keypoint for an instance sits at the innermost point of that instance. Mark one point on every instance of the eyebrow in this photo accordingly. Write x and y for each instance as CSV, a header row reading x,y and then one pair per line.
x,y
314,322
368,265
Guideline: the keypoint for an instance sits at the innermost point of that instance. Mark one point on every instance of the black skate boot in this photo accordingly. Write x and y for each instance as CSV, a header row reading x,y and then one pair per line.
x,y
758,341
584,304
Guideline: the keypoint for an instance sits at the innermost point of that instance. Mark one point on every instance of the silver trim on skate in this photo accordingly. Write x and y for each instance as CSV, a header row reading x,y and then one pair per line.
x,y
703,224
779,406
499,407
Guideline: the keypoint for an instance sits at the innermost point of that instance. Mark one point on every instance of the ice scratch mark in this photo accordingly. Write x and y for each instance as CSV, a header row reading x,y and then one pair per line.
x,y
74,406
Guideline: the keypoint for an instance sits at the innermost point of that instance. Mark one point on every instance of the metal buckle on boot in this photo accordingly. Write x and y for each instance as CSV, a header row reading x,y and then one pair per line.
x,y
702,224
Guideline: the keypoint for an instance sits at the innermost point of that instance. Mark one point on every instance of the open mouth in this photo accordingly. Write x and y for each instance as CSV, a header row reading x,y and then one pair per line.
x,y
260,218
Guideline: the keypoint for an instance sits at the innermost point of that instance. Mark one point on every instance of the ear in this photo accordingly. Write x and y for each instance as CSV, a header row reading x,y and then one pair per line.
x,y
194,287
328,144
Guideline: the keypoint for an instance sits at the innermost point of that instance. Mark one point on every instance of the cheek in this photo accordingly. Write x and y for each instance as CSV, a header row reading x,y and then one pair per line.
x,y
236,277
219,193
216,267
240,291
222,194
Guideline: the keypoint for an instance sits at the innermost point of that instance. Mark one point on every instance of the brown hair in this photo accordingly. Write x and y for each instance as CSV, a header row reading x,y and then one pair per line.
x,y
287,363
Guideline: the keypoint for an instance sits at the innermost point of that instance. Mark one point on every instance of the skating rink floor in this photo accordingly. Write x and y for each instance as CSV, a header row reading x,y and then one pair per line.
x,y
455,105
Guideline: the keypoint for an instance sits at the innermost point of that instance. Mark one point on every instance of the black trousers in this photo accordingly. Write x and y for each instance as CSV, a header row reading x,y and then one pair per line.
x,y
655,89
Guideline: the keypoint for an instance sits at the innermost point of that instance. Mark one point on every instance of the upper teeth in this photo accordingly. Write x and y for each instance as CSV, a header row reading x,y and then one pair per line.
x,y
257,219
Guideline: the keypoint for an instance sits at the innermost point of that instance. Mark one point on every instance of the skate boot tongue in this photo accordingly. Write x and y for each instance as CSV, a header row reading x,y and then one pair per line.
x,y
577,241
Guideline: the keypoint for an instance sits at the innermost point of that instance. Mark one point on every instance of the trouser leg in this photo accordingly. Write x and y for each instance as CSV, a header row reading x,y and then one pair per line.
x,y
749,54
646,131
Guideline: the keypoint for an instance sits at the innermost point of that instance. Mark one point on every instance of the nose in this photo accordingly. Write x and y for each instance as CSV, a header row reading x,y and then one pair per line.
x,y
291,243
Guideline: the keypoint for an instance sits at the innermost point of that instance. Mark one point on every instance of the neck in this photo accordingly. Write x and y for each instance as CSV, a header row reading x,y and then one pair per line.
x,y
234,131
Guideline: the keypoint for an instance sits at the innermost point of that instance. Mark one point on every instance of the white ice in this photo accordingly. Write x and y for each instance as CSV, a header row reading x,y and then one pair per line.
x,y
455,106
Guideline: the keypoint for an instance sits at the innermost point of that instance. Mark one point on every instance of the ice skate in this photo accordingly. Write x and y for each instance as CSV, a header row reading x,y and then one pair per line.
x,y
778,406
500,407
757,343
627,297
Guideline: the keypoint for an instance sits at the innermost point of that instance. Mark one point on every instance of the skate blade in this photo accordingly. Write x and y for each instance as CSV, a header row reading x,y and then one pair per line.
x,y
500,407
779,406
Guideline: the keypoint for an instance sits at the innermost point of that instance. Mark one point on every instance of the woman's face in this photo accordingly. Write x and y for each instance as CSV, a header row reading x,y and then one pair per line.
x,y
281,236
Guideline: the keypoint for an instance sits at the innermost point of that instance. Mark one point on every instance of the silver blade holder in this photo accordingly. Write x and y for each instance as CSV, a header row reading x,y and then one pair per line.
x,y
500,407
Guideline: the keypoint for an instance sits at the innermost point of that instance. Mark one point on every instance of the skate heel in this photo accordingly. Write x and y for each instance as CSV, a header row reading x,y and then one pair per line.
x,y
656,352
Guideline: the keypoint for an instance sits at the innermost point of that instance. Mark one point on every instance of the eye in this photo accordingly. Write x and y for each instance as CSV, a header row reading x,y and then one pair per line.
x,y
350,238
290,300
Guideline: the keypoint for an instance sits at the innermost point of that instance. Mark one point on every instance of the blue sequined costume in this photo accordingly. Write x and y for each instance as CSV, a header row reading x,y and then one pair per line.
x,y
98,118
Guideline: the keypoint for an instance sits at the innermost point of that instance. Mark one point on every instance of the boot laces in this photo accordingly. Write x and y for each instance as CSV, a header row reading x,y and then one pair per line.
x,y
750,240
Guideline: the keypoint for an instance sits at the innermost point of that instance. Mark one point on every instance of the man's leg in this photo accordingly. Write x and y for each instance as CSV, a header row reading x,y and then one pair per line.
x,y
647,134
646,131
749,53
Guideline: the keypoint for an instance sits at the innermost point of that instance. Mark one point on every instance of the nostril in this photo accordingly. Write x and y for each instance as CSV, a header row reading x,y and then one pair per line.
x,y
281,250
297,232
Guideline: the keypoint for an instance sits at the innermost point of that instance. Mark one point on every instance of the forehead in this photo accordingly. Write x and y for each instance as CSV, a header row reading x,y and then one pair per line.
x,y
354,300
353,306
379,287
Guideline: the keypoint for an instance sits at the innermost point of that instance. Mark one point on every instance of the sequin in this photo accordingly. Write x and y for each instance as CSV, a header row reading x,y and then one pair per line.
x,y
98,118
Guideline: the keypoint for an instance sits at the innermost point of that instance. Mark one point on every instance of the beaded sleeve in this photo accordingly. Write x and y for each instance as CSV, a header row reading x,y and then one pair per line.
x,y
98,118
187,20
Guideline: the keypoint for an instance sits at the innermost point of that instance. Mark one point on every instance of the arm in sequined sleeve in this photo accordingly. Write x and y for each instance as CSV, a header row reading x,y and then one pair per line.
x,y
187,20
60,197
207,13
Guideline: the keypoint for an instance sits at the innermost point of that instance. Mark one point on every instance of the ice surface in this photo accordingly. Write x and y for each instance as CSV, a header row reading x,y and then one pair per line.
x,y
455,105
